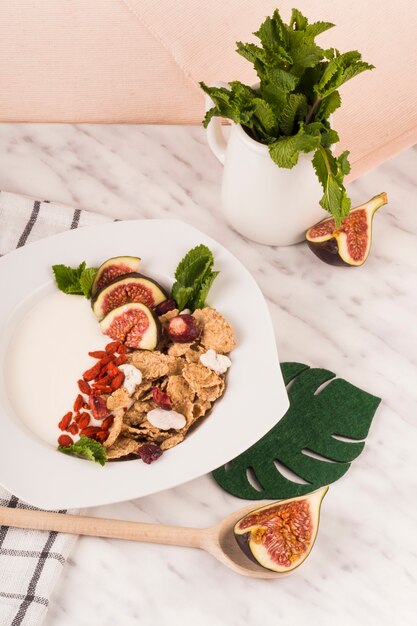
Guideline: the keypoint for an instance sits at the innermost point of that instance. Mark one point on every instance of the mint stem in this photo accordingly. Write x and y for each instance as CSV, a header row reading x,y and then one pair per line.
x,y
312,110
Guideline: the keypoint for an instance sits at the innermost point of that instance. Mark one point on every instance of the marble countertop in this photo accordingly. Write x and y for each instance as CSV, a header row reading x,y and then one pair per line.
x,y
359,323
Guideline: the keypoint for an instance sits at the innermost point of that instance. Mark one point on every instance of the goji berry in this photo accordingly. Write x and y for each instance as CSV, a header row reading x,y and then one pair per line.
x,y
105,361
103,380
102,435
84,387
122,349
65,440
79,401
84,421
111,347
97,354
107,422
101,389
65,421
117,381
73,428
120,359
112,370
92,373
91,431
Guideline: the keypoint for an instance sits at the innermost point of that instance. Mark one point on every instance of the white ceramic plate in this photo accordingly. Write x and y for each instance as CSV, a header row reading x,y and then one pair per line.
x,y
255,399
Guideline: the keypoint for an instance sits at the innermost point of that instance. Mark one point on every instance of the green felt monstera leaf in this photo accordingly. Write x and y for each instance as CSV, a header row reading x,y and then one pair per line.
x,y
317,439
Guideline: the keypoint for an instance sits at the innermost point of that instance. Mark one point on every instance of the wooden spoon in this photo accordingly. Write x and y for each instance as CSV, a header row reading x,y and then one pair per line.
x,y
218,540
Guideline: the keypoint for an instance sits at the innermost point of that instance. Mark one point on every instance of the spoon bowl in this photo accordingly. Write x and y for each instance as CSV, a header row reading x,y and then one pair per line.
x,y
222,544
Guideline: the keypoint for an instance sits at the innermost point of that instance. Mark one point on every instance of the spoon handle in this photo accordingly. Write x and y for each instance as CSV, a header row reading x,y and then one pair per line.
x,y
101,527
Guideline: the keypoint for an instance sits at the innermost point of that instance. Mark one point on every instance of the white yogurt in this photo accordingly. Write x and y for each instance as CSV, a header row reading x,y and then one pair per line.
x,y
47,355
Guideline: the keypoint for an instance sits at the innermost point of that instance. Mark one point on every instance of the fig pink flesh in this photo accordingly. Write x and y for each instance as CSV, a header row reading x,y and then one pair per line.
x,y
130,292
285,530
129,328
110,273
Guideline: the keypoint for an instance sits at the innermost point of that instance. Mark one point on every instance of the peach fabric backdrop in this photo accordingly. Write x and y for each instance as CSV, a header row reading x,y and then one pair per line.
x,y
140,61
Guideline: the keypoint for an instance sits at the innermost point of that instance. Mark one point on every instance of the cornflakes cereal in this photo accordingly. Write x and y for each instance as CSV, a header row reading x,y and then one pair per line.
x,y
193,355
217,333
143,391
180,393
197,376
179,349
143,406
115,428
132,418
122,447
156,364
151,364
172,441
119,399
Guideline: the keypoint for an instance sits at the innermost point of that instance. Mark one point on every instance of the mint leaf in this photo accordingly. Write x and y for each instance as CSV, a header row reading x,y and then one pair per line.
x,y
339,70
294,110
194,277
200,300
312,30
298,20
86,448
273,33
76,281
86,280
193,264
286,150
328,105
330,172
68,278
182,295
264,116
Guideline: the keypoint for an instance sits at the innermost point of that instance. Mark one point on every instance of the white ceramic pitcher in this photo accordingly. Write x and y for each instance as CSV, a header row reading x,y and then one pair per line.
x,y
262,201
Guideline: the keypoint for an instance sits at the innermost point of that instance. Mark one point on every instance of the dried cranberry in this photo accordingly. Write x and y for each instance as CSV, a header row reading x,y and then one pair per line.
x,y
165,306
161,398
183,329
149,452
98,407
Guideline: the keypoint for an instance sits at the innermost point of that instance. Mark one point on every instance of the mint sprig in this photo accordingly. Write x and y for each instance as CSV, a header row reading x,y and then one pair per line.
x,y
298,92
77,280
86,448
194,277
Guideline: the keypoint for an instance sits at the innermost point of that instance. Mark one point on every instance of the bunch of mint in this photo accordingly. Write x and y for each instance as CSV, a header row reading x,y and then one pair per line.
x,y
297,94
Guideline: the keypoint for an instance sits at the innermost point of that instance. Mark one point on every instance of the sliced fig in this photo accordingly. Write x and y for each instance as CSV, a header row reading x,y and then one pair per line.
x,y
280,536
111,269
351,242
133,324
132,288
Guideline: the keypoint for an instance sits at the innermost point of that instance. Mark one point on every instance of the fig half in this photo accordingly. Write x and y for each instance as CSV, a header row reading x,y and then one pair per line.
x,y
132,288
280,536
133,324
350,243
111,269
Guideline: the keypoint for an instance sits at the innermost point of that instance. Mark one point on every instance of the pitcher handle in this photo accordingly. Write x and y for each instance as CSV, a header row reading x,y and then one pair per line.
x,y
215,136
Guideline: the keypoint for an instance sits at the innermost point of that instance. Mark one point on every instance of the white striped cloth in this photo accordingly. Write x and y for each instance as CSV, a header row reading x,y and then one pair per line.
x,y
31,561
